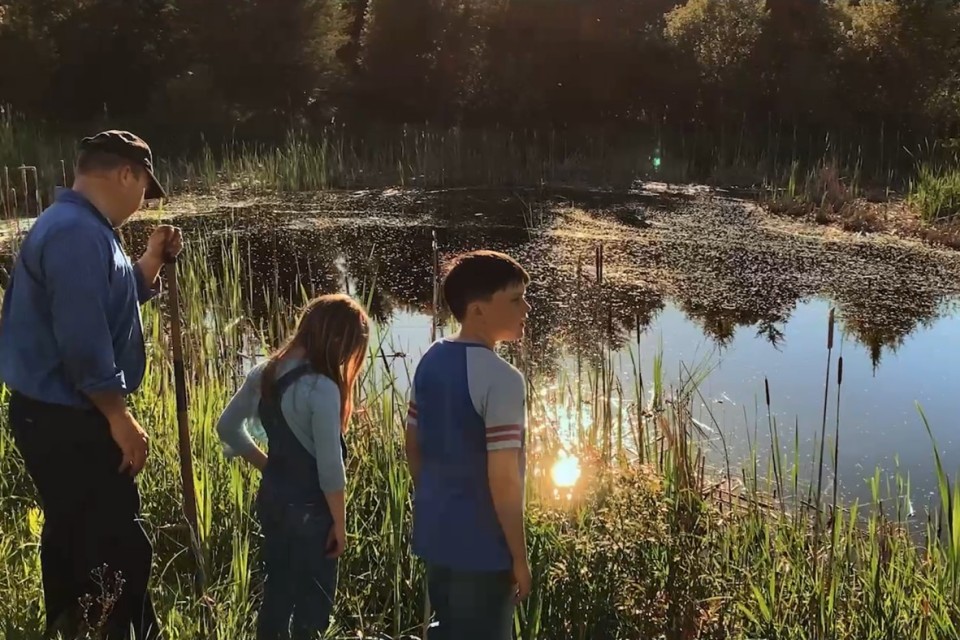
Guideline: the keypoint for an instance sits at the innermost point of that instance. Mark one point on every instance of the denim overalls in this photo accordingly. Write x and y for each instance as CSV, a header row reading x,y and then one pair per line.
x,y
296,520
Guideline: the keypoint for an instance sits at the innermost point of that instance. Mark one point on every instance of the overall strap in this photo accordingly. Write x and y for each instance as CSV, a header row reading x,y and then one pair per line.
x,y
287,379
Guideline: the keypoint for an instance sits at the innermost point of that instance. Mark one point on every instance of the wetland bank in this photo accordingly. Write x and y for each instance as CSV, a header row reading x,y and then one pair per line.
x,y
701,300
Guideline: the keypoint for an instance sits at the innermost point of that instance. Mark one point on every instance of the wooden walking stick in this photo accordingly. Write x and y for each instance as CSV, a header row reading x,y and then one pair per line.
x,y
183,422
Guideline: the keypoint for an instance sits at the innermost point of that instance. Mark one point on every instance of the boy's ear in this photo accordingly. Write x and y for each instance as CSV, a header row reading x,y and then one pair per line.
x,y
475,309
472,309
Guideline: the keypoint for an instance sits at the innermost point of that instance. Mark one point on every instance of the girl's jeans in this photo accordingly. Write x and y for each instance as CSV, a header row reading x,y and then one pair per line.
x,y
301,581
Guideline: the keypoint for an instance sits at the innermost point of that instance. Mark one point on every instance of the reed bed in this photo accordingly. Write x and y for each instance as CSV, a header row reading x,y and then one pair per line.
x,y
936,192
653,540
780,163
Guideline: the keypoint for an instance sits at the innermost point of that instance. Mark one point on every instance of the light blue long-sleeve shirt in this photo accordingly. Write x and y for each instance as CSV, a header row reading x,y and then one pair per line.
x,y
70,324
311,406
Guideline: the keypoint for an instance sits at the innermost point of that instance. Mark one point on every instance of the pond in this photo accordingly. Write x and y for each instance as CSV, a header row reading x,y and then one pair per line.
x,y
706,280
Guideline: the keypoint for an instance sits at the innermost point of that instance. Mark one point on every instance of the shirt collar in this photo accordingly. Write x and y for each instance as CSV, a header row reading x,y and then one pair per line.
x,y
64,194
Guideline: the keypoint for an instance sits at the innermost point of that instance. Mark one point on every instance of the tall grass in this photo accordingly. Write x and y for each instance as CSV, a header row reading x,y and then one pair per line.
x,y
936,193
786,165
650,543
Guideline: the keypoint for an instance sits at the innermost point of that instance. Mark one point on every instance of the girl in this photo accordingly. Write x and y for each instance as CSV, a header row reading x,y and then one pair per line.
x,y
302,396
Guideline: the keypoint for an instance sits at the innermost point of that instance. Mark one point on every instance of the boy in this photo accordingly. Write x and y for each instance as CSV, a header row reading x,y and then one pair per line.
x,y
465,440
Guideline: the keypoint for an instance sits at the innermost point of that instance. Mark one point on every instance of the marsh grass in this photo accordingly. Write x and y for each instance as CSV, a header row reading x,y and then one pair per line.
x,y
654,541
936,193
783,165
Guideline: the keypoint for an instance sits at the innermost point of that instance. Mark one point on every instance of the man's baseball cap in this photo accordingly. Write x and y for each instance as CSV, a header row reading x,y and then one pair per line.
x,y
127,145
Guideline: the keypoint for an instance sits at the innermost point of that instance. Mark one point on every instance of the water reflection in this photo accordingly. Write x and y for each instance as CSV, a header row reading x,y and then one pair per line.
x,y
390,266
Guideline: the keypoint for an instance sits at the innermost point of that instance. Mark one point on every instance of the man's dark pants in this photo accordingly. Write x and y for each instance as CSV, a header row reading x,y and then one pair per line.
x,y
91,518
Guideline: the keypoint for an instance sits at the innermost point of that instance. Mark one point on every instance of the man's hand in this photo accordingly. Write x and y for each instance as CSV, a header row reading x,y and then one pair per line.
x,y
336,540
132,440
522,579
165,242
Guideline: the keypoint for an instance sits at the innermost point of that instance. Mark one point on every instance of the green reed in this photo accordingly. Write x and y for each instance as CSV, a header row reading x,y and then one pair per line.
x,y
788,167
936,193
651,542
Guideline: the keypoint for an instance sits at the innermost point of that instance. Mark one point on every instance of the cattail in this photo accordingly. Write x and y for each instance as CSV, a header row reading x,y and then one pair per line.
x,y
830,330
823,430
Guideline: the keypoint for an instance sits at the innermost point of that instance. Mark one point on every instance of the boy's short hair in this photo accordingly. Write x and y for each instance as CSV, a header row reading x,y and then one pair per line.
x,y
477,275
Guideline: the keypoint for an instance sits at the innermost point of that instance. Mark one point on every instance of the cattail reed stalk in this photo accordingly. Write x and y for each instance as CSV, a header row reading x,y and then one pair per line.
x,y
823,431
836,438
774,444
834,517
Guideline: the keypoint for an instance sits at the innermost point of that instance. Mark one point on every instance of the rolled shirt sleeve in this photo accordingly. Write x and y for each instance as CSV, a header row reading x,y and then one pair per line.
x,y
146,291
76,265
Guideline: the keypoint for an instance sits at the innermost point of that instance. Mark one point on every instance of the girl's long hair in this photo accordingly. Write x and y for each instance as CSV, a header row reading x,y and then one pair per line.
x,y
333,332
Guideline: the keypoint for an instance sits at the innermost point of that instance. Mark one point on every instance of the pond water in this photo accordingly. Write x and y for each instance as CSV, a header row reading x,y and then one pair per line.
x,y
897,349
880,425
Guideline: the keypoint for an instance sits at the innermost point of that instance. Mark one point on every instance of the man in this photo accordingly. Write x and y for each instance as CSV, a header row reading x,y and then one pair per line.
x,y
71,350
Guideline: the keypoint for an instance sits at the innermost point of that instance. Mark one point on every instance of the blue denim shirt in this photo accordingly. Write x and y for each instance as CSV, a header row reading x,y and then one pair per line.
x,y
70,322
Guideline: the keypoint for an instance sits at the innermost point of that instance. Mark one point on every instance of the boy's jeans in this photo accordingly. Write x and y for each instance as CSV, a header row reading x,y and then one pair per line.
x,y
470,605
301,581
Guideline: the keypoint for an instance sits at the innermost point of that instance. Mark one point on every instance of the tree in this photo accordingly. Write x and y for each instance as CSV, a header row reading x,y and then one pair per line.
x,y
73,60
268,56
898,58
722,37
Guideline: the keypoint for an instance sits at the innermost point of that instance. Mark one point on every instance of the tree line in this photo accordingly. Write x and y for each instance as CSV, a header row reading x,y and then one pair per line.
x,y
261,65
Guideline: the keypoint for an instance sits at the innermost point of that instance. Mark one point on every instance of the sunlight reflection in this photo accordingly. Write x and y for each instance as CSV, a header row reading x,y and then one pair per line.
x,y
566,470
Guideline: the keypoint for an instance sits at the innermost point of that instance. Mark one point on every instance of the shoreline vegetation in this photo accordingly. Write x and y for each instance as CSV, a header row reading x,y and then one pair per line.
x,y
825,188
650,541
842,116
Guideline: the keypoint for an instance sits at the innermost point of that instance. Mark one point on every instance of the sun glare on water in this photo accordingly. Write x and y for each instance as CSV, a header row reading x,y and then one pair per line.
x,y
565,471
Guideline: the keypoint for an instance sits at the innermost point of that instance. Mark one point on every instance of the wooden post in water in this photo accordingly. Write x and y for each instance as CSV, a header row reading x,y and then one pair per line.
x,y
435,253
26,190
641,428
5,196
25,172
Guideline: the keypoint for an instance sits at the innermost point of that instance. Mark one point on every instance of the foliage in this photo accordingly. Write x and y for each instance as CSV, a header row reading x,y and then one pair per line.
x,y
257,65
936,194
